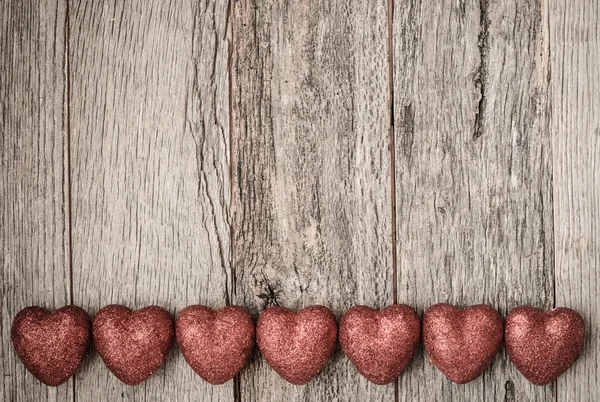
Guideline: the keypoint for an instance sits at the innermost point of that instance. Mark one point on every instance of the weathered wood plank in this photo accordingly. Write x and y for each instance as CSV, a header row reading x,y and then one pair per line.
x,y
150,157
575,105
34,253
473,172
311,172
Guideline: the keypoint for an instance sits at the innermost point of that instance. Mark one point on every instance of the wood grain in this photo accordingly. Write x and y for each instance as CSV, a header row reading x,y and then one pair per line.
x,y
34,247
575,103
494,164
150,157
311,172
473,172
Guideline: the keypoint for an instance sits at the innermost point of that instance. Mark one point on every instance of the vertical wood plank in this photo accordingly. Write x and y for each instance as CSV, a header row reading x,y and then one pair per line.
x,y
150,163
575,89
311,172
33,186
473,172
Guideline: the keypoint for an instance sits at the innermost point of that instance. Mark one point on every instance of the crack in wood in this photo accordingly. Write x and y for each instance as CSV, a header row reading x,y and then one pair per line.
x,y
482,75
509,386
408,130
200,145
269,295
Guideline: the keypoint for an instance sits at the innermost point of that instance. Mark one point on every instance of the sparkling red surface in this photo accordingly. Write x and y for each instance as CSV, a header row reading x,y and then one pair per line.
x,y
380,343
133,344
216,344
543,344
297,345
462,343
51,344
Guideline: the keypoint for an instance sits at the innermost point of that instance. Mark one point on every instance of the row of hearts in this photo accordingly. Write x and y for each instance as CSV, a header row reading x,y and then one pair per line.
x,y
462,343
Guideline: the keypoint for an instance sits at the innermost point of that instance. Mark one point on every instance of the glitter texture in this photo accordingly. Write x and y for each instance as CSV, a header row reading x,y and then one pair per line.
x,y
216,344
51,344
462,343
542,345
297,345
380,343
133,344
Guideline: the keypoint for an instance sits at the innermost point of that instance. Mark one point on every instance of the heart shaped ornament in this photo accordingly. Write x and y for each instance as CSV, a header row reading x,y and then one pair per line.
x,y
462,343
216,344
380,343
297,345
133,344
51,345
543,344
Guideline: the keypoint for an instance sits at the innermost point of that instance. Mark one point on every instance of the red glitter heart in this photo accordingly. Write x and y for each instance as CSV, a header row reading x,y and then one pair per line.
x,y
462,343
297,345
133,344
216,344
51,345
543,344
380,343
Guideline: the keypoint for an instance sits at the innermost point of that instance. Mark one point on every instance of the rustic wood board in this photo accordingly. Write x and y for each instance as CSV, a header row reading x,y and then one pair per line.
x,y
473,173
311,202
34,253
491,168
575,105
150,160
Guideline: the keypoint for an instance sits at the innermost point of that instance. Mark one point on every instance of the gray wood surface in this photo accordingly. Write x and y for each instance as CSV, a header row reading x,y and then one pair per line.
x,y
473,173
241,154
575,127
34,246
150,158
311,172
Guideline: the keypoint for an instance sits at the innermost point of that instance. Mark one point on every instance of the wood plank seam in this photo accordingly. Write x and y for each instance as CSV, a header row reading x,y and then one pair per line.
x,y
69,172
548,106
391,131
230,41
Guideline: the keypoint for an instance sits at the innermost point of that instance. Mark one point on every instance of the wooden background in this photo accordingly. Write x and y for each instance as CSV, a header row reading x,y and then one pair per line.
x,y
334,152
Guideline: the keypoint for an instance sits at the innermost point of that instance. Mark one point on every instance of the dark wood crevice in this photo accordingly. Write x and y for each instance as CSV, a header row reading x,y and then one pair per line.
x,y
69,172
481,81
392,145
